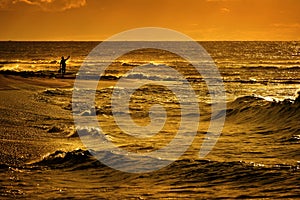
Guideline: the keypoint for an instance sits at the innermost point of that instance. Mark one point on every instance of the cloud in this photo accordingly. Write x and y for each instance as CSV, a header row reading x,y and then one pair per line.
x,y
46,5
291,25
225,10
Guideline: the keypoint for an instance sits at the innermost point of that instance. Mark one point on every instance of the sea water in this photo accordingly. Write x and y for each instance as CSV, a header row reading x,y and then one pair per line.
x,y
256,156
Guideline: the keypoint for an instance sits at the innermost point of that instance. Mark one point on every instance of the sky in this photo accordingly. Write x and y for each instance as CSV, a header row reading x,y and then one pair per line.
x,y
203,20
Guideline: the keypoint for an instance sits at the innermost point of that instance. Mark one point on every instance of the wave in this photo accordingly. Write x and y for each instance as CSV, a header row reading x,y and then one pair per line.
x,y
37,73
267,115
83,159
151,77
57,92
68,169
3,167
32,61
260,67
77,159
270,67
181,176
266,106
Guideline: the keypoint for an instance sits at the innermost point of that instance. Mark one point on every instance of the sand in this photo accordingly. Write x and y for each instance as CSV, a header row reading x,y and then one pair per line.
x,y
25,122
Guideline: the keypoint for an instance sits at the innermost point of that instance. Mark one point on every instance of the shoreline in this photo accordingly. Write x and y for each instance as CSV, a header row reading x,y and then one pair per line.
x,y
14,80
25,121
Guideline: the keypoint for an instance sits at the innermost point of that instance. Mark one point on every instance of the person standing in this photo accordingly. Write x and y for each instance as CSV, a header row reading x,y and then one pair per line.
x,y
63,65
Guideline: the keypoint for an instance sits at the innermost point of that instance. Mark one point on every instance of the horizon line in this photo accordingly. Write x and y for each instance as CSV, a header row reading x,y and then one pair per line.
x,y
150,41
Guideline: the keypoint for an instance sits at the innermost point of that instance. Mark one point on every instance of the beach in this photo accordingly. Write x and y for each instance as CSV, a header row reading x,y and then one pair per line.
x,y
25,122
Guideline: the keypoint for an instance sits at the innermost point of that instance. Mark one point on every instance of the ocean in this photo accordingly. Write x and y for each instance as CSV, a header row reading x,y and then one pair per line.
x,y
256,155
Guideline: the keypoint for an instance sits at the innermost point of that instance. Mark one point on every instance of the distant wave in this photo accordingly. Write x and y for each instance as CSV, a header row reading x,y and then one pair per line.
x,y
8,62
151,77
32,61
3,167
261,67
270,67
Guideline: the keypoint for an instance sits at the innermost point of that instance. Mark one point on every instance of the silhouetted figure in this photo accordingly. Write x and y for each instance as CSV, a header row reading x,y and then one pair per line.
x,y
63,65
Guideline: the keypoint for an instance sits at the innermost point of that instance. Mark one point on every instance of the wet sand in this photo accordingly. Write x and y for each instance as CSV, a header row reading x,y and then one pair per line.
x,y
25,122
17,82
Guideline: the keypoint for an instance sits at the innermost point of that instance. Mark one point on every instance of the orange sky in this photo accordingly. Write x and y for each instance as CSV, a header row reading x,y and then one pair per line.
x,y
199,19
